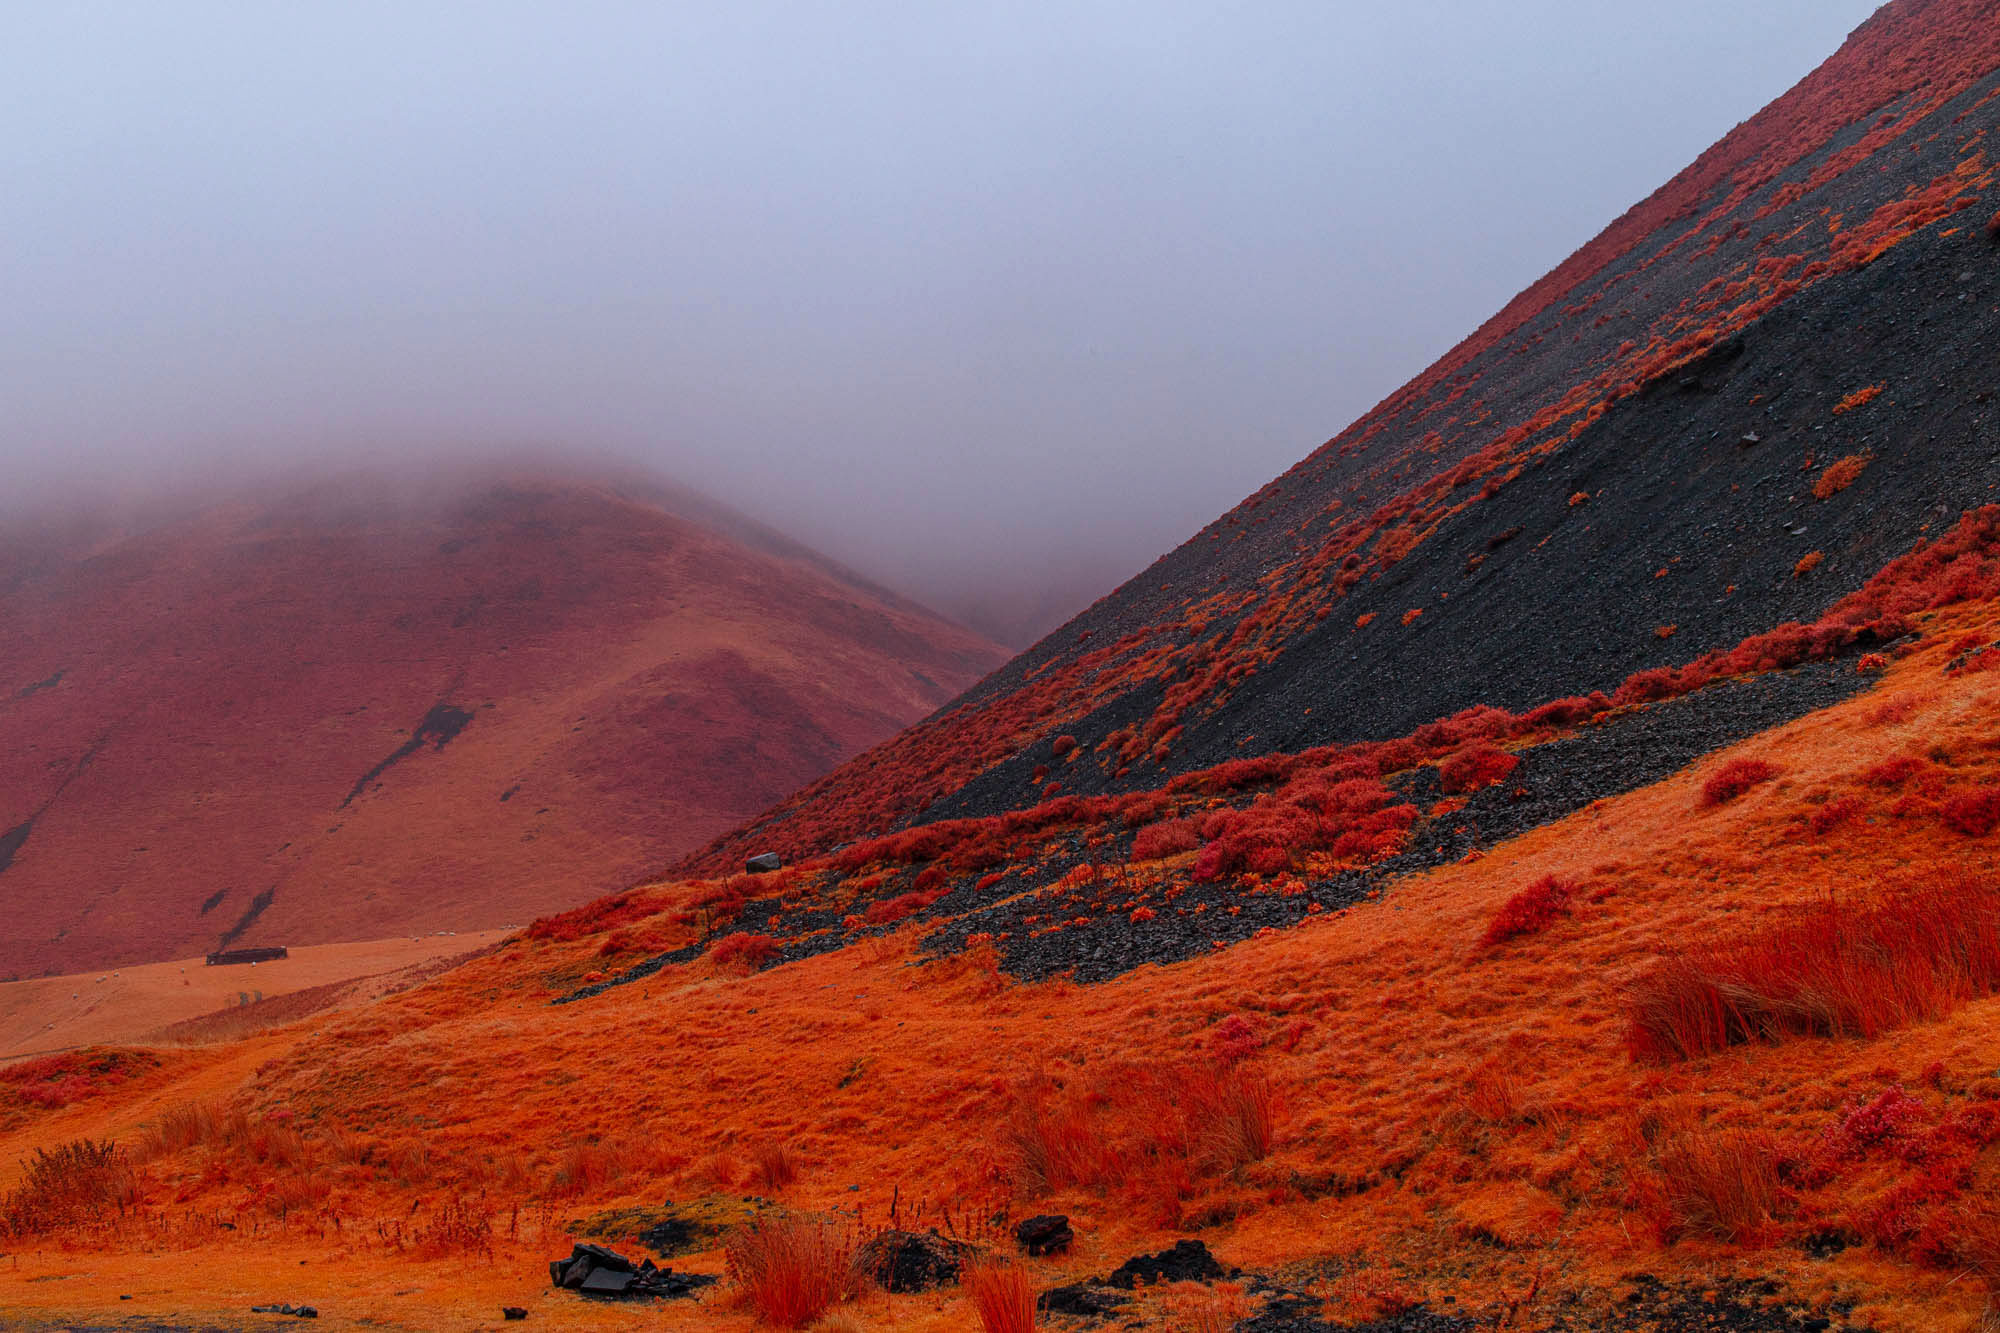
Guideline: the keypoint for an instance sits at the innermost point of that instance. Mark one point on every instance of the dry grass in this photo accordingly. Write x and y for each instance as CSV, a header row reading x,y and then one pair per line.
x,y
776,1166
1724,1184
1194,1308
791,1270
1003,1295
1833,969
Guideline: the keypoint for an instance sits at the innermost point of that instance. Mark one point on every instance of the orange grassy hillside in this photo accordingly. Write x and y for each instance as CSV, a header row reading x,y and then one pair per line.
x,y
343,711
1733,1025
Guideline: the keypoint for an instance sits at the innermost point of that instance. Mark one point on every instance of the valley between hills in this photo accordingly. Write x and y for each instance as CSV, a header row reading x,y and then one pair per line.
x,y
1532,865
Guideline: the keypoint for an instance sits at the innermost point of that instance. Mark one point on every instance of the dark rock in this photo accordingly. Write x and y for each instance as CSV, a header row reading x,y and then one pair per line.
x,y
1048,1234
763,863
1187,1261
606,1282
512,1312
913,1261
295,1311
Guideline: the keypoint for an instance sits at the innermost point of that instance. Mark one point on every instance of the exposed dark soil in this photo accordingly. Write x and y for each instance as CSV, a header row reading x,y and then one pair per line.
x,y
13,840
1619,754
439,727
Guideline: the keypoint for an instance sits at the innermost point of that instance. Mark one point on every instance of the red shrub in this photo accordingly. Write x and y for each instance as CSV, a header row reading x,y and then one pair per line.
x,y
903,905
748,952
1830,970
620,909
1645,687
1168,838
1471,769
1836,813
1562,713
1062,745
1894,772
1533,909
1975,814
1734,778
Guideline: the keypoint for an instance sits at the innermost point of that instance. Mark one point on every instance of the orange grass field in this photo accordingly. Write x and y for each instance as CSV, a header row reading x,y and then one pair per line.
x,y
1390,1104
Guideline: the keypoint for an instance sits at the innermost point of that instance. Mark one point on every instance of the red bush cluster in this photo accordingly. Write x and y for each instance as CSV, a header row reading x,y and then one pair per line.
x,y
1354,818
1533,909
1474,768
1975,814
1169,837
1734,778
743,950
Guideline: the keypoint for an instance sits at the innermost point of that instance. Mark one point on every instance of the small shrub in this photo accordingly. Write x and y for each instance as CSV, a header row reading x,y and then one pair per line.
x,y
1474,768
1872,664
1533,909
901,906
1169,837
743,951
82,1181
1062,745
460,1227
790,1269
1839,475
1734,778
1859,398
1808,562
1003,1295
1837,813
1975,814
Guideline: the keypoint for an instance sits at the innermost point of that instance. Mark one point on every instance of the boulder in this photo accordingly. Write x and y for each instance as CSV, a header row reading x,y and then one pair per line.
x,y
1047,1234
763,863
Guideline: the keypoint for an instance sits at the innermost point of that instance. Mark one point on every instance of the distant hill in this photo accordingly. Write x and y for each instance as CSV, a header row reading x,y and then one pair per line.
x,y
365,707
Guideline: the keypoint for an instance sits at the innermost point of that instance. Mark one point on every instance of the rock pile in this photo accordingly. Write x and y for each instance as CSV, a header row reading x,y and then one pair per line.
x,y
592,1270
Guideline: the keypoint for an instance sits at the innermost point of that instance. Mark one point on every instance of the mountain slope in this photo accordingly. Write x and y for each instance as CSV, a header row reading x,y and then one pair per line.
x,y
1533,866
349,710
1619,471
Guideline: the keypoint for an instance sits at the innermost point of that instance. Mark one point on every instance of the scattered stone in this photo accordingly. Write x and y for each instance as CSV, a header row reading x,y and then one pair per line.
x,y
763,863
1751,439
296,1311
913,1261
592,1270
1047,1234
512,1312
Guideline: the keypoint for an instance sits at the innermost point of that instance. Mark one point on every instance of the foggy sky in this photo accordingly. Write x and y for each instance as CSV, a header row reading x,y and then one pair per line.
x,y
993,302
